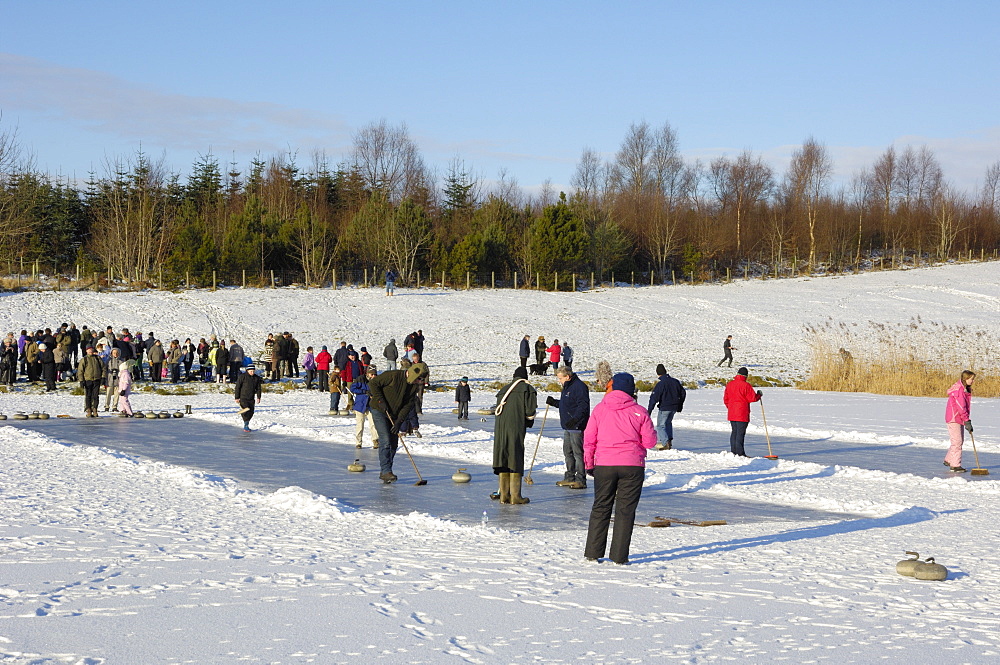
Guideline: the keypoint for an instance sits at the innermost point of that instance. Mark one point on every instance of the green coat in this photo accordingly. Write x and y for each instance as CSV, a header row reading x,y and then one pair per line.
x,y
517,415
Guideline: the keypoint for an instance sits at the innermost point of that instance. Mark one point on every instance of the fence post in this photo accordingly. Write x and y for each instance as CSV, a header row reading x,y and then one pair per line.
x,y
58,288
673,277
77,272
493,279
745,271
538,281
214,282
515,280
612,279
591,281
111,274
729,276
272,280
334,283
97,284
160,278
418,279
467,282
244,282
572,285
366,277
555,280
442,279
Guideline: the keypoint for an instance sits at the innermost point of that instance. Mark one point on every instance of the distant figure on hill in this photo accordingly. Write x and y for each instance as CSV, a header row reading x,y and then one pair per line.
x,y
727,350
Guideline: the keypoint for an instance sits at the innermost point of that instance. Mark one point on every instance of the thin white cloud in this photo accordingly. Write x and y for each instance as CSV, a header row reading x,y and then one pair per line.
x,y
109,105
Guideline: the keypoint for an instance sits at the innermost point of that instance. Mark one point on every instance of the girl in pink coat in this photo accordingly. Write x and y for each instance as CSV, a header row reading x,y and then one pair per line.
x,y
956,414
615,442
125,387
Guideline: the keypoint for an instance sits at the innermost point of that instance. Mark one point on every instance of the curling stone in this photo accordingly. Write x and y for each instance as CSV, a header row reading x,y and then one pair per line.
x,y
163,414
20,415
906,566
33,415
43,416
3,417
488,411
187,409
928,570
345,412
151,414
356,466
178,414
454,411
461,476
138,414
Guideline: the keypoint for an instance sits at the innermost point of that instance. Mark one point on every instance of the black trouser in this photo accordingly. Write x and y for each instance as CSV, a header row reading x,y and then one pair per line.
x,y
175,372
728,356
91,395
310,377
737,436
187,369
49,375
247,404
463,410
234,370
155,371
617,487
524,362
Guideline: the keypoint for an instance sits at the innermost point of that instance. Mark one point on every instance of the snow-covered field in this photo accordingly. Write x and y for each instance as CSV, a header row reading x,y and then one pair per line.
x,y
112,558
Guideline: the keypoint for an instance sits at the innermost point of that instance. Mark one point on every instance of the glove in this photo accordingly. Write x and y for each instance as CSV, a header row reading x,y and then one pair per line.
x,y
551,401
121,393
590,472
759,394
394,430
968,426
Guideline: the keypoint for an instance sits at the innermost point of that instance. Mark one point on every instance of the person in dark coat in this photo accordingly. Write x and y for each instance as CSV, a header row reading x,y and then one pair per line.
x,y
47,361
463,395
89,372
247,389
236,355
668,396
8,362
524,351
540,348
727,351
574,412
517,403
391,354
222,363
340,356
418,342
391,397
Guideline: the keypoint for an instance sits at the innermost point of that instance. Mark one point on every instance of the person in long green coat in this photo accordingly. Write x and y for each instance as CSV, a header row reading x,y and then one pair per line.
x,y
515,413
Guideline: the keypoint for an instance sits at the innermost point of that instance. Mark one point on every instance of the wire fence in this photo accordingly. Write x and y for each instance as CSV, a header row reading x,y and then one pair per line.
x,y
37,276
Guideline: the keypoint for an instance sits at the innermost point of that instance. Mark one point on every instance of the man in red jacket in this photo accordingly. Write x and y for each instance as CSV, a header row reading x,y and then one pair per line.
x,y
737,398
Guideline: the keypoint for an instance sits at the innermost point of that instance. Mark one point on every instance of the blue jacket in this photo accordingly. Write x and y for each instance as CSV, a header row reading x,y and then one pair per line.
x,y
668,395
525,351
360,389
574,405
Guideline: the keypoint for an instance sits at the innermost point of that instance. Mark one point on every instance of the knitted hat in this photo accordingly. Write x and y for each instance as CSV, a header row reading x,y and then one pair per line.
x,y
624,382
465,378
251,367
660,370
743,371
521,373
416,373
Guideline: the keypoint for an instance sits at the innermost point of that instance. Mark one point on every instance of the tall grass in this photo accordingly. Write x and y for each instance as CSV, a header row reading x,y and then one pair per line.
x,y
920,359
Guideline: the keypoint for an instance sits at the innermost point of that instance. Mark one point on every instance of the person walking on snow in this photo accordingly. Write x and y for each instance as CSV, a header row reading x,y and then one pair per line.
x,y
574,412
738,396
957,415
517,403
614,452
390,282
391,354
727,351
248,387
668,396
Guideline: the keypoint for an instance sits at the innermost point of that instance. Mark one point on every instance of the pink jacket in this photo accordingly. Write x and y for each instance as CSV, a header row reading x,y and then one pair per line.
x,y
125,381
555,352
959,404
618,433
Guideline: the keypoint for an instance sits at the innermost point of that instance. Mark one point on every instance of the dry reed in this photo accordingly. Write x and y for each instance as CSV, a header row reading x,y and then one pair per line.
x,y
919,359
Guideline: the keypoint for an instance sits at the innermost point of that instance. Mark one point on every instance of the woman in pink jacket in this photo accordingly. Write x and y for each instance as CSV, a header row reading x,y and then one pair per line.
x,y
956,414
615,442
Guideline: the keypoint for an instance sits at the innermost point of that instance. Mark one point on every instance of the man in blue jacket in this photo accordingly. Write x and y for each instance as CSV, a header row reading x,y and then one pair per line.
x,y
574,412
524,352
668,396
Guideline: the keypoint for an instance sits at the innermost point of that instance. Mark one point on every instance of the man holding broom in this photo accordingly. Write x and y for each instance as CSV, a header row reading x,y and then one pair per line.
x,y
392,395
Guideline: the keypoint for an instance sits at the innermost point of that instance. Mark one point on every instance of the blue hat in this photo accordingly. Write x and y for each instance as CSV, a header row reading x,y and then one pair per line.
x,y
624,382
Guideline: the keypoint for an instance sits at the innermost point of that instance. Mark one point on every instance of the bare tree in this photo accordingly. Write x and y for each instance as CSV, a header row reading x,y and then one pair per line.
x,y
739,186
389,160
590,179
806,183
949,212
18,194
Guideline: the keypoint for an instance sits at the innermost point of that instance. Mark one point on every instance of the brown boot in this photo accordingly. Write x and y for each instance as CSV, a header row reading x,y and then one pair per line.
x,y
505,487
515,490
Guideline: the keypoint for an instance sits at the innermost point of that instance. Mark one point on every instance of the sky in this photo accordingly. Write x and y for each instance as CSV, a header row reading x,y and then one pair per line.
x,y
514,89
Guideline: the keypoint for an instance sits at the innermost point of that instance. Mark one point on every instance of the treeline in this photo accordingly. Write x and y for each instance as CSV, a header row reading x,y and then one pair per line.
x,y
645,209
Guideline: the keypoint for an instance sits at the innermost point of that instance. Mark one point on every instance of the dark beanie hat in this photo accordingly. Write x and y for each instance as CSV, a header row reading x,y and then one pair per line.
x,y
624,382
521,373
743,371
660,370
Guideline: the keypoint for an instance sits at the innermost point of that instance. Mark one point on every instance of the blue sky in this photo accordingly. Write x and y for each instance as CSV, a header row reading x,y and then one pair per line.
x,y
521,87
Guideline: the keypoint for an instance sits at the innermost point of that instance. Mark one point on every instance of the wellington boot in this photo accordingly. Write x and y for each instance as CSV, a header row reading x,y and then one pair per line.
x,y
515,489
505,488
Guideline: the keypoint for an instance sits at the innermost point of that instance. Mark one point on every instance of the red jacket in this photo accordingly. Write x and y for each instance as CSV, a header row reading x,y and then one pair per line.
x,y
555,352
737,398
323,359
